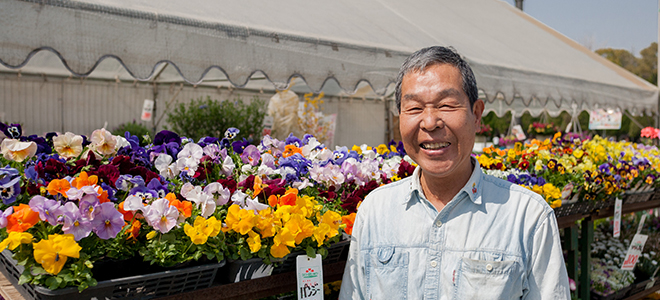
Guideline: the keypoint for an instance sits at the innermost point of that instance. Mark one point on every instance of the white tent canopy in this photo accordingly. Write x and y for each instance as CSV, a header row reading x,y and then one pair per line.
x,y
520,64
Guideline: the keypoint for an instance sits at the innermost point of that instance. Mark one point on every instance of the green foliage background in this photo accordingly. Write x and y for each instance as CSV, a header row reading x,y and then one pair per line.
x,y
135,129
208,117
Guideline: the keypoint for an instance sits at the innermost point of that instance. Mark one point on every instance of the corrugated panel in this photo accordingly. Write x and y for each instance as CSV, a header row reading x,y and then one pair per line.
x,y
81,106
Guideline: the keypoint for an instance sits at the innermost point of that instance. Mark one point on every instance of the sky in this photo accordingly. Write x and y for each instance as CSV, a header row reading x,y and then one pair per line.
x,y
621,24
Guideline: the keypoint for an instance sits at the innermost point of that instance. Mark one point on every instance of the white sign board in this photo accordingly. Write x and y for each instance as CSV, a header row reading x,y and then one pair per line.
x,y
604,119
147,110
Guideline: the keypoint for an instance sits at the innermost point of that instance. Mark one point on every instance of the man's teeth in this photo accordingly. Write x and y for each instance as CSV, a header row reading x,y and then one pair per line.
x,y
434,146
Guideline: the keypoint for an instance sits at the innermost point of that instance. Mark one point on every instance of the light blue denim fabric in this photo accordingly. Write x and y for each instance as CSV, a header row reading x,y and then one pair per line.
x,y
494,240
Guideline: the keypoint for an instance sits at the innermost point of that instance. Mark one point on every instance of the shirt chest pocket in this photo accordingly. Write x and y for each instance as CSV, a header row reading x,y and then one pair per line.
x,y
481,279
387,273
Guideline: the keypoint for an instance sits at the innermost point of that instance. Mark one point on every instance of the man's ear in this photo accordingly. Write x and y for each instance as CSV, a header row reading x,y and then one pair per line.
x,y
478,110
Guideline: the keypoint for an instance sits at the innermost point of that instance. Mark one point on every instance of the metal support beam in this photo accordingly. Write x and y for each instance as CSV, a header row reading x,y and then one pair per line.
x,y
519,4
571,244
584,286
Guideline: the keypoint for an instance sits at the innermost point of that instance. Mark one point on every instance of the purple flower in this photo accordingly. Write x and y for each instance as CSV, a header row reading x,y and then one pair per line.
x,y
166,136
291,139
4,215
13,131
10,184
251,155
107,221
144,192
161,216
74,223
48,209
231,133
127,182
339,156
512,178
161,189
239,146
89,204
203,142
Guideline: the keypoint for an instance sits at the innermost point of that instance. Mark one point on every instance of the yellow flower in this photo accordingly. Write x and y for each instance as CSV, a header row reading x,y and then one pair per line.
x,y
357,149
556,203
382,149
254,241
151,234
240,220
53,252
267,224
15,239
551,192
328,226
300,227
202,229
281,240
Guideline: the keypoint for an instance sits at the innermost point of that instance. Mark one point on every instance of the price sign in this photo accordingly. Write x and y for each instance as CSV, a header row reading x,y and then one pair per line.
x,y
147,110
634,251
617,217
309,272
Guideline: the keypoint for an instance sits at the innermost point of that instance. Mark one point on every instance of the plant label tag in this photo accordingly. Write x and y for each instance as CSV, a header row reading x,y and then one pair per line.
x,y
634,251
641,224
147,110
309,272
617,217
566,191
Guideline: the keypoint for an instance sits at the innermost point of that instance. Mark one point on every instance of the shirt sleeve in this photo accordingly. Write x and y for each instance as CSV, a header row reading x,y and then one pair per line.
x,y
353,285
547,276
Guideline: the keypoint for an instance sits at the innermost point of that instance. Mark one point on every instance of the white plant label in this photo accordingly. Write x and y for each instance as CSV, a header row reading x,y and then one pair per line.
x,y
634,251
617,217
309,272
147,110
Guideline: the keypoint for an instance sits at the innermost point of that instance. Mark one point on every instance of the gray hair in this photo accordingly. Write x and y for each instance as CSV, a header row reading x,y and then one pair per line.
x,y
427,57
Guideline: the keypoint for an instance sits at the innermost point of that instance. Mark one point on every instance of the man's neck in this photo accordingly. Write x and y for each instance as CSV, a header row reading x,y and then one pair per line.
x,y
439,191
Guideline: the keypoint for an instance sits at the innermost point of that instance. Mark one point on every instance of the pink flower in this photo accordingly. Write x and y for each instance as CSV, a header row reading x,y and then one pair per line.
x,y
650,132
161,216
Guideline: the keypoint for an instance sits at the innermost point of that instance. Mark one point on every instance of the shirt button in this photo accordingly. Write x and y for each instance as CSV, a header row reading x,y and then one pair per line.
x,y
438,223
434,264
489,267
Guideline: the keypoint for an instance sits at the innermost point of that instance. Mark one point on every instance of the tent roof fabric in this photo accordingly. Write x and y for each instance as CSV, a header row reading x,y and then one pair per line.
x,y
530,66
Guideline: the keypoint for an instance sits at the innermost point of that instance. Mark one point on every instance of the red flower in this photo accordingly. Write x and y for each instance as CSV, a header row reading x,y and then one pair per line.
x,y
524,165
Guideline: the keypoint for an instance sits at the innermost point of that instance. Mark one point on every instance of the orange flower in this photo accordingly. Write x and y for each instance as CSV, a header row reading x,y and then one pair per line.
x,y
22,219
289,198
290,150
58,186
348,221
103,196
184,207
84,180
258,186
128,215
134,231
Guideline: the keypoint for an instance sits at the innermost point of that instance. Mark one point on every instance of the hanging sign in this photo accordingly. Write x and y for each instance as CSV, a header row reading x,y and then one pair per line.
x,y
518,132
309,272
147,110
605,119
617,217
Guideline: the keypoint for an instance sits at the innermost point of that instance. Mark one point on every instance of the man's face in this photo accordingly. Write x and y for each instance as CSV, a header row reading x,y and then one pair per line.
x,y
436,121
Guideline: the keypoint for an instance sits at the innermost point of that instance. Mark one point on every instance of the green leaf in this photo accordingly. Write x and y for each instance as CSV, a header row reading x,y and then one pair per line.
x,y
53,282
323,251
24,278
311,252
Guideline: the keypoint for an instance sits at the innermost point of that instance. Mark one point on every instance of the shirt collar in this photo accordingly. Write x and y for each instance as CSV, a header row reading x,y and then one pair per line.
x,y
472,188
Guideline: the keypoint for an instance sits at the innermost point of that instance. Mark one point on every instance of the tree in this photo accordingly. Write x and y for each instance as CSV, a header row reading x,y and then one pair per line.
x,y
645,67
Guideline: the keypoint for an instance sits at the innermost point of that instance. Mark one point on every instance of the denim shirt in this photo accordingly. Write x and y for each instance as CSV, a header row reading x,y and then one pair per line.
x,y
493,240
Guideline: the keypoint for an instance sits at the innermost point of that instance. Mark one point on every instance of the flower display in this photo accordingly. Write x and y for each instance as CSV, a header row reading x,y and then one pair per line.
x,y
80,201
566,168
542,128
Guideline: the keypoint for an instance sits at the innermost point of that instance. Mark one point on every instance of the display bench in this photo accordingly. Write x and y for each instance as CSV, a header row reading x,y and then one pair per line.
x,y
578,245
249,289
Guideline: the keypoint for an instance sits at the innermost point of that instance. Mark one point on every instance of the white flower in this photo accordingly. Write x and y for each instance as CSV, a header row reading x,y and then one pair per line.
x,y
103,142
16,150
188,165
191,151
228,166
121,142
220,194
68,145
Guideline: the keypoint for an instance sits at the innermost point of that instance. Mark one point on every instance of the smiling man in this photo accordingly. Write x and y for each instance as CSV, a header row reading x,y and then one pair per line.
x,y
449,231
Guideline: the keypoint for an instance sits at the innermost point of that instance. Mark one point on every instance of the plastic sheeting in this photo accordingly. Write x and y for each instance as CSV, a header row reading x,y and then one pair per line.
x,y
532,67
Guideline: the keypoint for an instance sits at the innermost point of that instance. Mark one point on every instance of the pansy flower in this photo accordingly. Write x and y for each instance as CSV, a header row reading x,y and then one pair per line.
x,y
52,253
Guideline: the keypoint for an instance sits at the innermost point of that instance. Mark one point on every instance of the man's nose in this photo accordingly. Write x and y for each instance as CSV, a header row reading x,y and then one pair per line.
x,y
431,120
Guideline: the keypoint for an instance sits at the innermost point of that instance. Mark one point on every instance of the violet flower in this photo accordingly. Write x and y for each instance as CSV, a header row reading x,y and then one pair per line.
x,y
74,223
231,133
48,209
107,222
4,215
251,155
10,185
